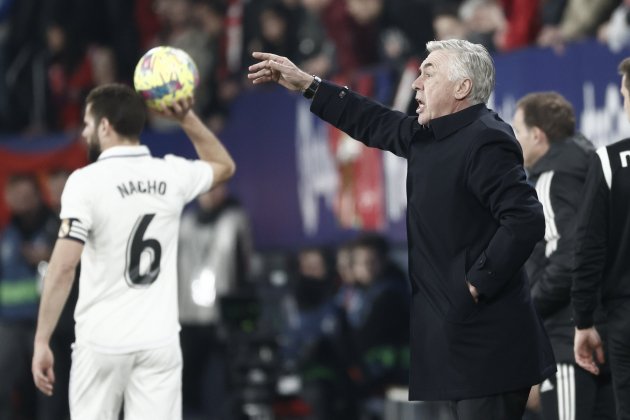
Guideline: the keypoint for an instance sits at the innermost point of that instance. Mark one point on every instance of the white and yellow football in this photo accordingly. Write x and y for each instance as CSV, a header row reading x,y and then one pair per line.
x,y
165,75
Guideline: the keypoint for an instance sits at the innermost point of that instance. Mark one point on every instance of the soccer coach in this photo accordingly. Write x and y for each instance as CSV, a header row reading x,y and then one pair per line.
x,y
472,221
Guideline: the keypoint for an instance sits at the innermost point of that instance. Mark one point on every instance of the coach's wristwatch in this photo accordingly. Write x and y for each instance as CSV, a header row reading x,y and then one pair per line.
x,y
310,91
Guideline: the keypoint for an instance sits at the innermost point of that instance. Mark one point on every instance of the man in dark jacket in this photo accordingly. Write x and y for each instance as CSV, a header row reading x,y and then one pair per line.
x,y
472,222
556,159
602,262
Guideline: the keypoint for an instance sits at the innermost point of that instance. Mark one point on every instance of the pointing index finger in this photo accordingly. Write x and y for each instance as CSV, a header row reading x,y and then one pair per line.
x,y
265,56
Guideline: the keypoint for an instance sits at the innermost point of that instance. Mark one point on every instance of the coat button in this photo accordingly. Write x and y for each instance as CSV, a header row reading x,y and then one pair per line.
x,y
342,94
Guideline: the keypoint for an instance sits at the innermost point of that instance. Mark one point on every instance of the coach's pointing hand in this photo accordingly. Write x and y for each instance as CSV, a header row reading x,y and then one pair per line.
x,y
275,68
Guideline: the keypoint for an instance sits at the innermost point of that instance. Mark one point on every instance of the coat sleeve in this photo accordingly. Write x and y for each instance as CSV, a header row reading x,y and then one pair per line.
x,y
590,249
496,177
560,195
365,120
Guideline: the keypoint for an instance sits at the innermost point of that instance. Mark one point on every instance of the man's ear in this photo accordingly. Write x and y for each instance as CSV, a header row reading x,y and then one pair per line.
x,y
539,135
463,89
104,125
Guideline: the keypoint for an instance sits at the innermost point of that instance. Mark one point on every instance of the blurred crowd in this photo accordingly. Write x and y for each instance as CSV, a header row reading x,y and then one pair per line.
x,y
52,52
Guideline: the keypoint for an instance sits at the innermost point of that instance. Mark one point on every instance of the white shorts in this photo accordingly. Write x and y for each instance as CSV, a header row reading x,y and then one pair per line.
x,y
149,382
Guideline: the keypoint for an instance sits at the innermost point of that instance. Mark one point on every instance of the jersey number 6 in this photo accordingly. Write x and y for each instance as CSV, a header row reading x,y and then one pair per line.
x,y
137,246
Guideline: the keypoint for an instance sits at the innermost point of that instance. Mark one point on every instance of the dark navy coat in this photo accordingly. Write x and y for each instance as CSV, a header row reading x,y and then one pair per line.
x,y
471,216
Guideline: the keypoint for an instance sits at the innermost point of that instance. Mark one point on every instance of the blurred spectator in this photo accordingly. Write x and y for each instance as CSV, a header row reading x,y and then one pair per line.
x,y
411,20
315,345
209,16
500,25
380,343
316,52
55,182
25,243
580,19
314,284
24,68
214,252
110,24
447,23
69,75
353,30
405,29
147,22
484,20
347,287
276,31
551,11
46,61
522,24
5,9
181,30
616,31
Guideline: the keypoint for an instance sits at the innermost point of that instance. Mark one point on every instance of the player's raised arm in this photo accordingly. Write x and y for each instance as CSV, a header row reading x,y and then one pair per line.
x,y
206,143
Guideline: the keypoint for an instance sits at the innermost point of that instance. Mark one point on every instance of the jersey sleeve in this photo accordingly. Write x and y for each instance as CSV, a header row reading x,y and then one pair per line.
x,y
76,215
194,176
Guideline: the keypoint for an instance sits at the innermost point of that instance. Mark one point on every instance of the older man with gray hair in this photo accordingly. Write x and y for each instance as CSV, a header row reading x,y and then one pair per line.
x,y
472,222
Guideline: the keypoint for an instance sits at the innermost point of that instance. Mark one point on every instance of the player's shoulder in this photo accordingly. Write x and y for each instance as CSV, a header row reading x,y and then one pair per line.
x,y
171,159
81,176
179,163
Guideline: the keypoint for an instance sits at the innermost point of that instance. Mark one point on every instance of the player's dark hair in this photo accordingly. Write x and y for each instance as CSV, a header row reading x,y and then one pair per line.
x,y
550,112
123,107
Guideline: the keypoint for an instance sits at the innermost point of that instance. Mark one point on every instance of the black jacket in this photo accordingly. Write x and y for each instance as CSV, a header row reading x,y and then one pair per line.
x,y
559,180
602,256
471,215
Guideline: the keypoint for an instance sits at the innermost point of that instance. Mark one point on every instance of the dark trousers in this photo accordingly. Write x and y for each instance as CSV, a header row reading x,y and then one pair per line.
x,y
575,394
506,406
618,326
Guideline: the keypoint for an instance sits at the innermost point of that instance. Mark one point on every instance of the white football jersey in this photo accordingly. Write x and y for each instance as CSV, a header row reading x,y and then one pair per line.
x,y
126,209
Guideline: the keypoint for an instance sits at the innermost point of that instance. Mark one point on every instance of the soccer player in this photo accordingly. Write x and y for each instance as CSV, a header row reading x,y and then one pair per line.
x,y
120,217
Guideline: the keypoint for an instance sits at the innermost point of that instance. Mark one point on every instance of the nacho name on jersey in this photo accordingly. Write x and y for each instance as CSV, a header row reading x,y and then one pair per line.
x,y
149,186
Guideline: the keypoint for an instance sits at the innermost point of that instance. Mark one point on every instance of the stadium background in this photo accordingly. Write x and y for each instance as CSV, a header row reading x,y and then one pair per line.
x,y
301,183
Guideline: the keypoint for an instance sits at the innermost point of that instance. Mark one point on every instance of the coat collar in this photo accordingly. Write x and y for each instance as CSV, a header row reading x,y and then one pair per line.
x,y
445,126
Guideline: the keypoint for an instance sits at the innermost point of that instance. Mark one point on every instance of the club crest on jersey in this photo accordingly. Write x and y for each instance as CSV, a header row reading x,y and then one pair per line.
x,y
150,186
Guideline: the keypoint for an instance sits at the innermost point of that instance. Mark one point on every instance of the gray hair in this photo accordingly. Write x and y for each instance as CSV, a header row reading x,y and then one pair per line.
x,y
472,61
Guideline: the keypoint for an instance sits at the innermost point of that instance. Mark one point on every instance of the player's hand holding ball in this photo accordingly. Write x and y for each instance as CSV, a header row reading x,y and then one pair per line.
x,y
166,77
178,110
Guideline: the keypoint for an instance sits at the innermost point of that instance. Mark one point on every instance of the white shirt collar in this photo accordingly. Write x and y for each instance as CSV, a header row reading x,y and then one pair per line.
x,y
125,151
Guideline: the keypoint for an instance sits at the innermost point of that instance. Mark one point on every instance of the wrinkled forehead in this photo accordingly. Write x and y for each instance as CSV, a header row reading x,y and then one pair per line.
x,y
436,60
